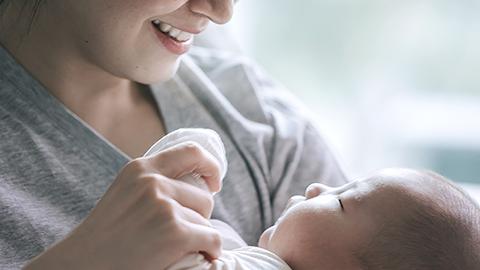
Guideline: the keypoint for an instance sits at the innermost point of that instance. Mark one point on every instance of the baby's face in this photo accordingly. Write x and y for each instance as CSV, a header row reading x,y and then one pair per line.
x,y
328,224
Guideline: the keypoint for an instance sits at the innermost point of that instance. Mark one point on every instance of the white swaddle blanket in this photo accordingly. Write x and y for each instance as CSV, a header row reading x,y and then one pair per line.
x,y
236,255
206,138
246,258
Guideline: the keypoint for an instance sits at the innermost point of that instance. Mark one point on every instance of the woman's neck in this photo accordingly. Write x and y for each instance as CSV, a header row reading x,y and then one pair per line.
x,y
118,108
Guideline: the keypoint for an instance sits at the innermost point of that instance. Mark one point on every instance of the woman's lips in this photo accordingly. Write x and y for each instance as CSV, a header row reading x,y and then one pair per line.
x,y
172,45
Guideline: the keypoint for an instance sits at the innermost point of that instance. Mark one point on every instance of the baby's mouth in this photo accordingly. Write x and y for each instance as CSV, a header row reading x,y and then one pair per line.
x,y
291,203
294,200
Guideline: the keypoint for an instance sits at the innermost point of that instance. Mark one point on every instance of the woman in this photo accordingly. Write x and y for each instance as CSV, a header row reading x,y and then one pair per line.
x,y
87,86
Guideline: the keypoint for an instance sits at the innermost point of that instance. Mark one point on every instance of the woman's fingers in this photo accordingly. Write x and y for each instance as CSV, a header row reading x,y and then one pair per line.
x,y
184,194
146,219
193,217
197,235
193,198
187,158
206,240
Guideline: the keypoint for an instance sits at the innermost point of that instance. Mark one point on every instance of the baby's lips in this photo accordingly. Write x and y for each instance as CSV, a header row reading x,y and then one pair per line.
x,y
313,190
293,201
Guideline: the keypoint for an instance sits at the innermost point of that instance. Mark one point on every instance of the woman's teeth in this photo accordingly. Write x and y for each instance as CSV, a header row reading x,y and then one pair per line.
x,y
173,32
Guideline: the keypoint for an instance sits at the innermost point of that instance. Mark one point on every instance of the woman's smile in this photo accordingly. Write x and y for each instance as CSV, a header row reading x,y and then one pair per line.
x,y
177,34
173,39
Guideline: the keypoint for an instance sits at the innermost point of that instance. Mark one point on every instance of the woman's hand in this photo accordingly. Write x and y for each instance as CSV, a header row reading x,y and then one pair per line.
x,y
146,220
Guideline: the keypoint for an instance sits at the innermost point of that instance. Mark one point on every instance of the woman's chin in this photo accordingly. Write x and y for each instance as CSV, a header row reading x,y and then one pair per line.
x,y
152,73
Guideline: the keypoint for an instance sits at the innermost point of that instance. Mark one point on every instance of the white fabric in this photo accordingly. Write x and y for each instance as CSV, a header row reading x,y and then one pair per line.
x,y
247,258
230,238
206,138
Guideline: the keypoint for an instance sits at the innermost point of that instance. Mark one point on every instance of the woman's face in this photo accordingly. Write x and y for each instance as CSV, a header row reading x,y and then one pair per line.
x,y
119,35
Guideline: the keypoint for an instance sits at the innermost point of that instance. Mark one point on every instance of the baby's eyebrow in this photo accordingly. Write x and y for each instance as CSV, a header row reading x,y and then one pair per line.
x,y
344,188
341,204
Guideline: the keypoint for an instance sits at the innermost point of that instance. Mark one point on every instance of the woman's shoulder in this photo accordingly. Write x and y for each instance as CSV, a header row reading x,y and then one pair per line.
x,y
231,70
245,83
235,76
214,60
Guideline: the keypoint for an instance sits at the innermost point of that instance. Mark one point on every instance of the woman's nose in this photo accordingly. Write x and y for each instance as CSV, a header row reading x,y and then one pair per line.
x,y
218,11
316,189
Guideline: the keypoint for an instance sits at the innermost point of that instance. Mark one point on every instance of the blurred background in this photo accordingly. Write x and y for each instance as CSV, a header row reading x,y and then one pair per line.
x,y
389,83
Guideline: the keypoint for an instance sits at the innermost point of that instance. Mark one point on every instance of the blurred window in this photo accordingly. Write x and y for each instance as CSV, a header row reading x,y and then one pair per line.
x,y
391,83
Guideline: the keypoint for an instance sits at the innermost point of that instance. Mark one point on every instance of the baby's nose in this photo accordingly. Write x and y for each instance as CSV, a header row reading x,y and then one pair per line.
x,y
315,189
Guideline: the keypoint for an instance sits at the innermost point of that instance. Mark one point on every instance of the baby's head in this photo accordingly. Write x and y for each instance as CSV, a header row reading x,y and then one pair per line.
x,y
397,219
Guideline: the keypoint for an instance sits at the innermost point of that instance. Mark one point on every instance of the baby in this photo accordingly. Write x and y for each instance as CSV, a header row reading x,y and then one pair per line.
x,y
396,219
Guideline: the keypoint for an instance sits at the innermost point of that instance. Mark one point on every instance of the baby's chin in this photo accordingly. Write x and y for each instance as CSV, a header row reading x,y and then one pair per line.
x,y
265,238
